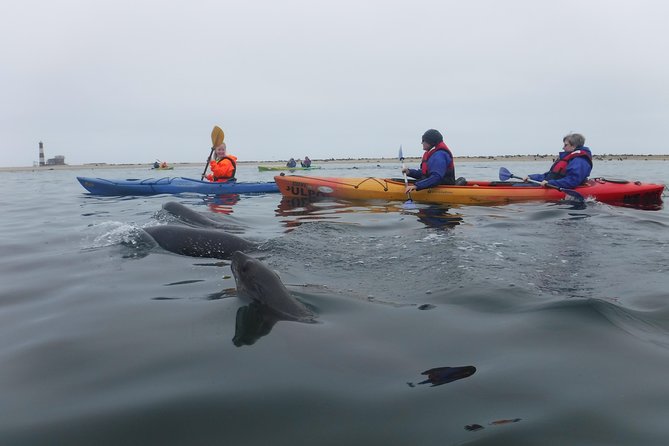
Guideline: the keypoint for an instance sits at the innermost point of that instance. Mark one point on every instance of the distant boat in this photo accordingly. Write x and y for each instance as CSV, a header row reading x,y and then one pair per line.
x,y
162,168
269,168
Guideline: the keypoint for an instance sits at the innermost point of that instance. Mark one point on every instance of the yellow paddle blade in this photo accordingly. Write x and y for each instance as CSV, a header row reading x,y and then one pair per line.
x,y
217,136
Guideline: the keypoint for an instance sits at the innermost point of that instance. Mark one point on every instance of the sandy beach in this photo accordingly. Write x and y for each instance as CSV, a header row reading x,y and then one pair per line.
x,y
316,162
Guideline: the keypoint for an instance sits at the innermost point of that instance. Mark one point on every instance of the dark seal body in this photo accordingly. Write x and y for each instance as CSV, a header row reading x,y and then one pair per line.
x,y
198,242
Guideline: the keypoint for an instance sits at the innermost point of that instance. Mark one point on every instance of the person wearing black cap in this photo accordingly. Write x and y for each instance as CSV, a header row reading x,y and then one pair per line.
x,y
437,166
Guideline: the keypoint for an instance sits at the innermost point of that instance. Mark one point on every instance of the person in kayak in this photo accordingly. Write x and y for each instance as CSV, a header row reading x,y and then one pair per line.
x,y
572,167
306,162
224,167
437,166
291,163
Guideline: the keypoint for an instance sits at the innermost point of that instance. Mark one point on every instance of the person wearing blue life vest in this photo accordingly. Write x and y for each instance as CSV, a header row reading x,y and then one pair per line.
x,y
436,167
572,167
291,163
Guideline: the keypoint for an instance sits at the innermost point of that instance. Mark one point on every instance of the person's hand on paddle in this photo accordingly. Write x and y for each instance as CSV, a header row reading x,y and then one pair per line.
x,y
405,170
542,183
410,188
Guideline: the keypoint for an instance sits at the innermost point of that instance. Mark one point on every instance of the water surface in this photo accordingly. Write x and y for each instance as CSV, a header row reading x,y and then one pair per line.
x,y
541,323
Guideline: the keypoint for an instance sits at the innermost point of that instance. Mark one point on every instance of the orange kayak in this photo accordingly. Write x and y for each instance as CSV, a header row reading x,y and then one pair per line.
x,y
615,192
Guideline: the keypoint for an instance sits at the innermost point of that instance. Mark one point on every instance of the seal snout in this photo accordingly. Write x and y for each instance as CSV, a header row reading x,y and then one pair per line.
x,y
240,264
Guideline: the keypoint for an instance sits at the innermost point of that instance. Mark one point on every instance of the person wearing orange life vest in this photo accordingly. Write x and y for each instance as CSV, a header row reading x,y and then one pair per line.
x,y
572,167
437,166
224,167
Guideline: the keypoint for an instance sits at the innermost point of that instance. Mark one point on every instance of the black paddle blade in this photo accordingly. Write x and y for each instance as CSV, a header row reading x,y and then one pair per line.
x,y
504,174
573,193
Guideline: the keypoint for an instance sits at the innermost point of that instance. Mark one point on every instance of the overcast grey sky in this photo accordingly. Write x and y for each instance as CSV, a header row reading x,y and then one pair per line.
x,y
122,81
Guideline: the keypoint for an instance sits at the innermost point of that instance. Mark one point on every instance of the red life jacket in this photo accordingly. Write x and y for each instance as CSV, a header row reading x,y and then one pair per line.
x,y
559,168
449,175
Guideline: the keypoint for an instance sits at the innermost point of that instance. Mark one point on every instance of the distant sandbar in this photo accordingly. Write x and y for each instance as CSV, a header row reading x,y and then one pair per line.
x,y
316,162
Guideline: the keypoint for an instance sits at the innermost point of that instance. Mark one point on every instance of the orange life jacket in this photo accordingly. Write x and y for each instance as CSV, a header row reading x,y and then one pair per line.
x,y
224,169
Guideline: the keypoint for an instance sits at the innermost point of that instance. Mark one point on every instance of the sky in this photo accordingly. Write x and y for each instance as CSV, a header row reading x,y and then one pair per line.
x,y
120,81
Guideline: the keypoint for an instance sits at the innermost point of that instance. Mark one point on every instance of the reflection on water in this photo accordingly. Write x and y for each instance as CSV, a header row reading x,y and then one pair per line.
x,y
221,204
436,216
478,427
299,210
443,375
253,322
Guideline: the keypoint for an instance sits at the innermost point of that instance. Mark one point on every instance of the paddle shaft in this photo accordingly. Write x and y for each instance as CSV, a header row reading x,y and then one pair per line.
x,y
530,180
217,137
204,172
406,181
570,192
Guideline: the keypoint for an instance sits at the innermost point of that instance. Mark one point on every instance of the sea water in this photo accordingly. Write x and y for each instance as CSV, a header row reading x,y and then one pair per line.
x,y
521,324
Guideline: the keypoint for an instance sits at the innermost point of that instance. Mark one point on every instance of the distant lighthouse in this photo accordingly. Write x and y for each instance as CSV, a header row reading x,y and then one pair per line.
x,y
41,154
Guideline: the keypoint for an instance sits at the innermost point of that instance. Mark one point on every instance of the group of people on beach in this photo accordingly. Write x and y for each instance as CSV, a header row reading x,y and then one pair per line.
x,y
572,167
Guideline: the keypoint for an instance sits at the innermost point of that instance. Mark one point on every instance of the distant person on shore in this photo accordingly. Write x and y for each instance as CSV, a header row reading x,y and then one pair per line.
x,y
291,163
437,166
572,167
224,167
306,162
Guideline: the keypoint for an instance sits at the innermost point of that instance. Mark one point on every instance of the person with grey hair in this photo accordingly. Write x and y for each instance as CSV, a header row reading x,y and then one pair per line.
x,y
572,167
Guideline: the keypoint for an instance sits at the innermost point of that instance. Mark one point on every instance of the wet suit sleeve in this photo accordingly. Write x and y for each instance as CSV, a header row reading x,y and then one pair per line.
x,y
537,176
436,170
415,173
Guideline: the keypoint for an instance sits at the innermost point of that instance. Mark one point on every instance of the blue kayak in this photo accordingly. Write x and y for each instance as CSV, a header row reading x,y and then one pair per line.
x,y
175,185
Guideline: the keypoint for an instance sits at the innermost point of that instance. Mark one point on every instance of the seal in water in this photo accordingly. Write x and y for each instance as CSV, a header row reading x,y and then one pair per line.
x,y
191,217
257,282
198,242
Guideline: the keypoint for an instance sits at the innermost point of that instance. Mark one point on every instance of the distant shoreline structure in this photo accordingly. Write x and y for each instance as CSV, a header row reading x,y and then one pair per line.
x,y
316,162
